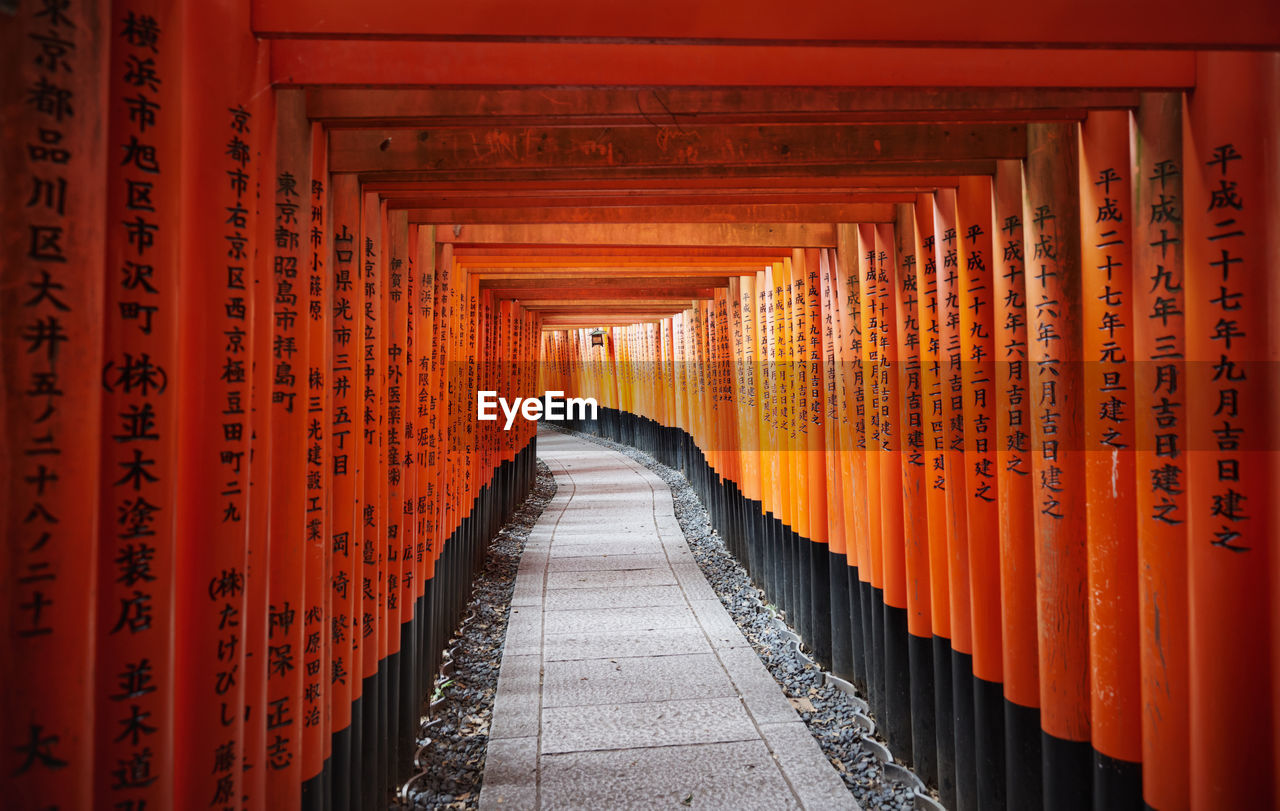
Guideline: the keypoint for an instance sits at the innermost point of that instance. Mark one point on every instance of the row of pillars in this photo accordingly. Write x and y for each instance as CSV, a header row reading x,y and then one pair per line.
x,y
243,487
1034,422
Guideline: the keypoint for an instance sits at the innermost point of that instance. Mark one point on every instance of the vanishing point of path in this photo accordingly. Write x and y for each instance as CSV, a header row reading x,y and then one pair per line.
x,y
624,682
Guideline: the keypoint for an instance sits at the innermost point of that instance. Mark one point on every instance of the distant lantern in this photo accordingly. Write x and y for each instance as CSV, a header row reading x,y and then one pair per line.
x,y
597,337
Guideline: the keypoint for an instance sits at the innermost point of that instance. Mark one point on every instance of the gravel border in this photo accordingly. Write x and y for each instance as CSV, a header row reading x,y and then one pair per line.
x,y
451,768
837,719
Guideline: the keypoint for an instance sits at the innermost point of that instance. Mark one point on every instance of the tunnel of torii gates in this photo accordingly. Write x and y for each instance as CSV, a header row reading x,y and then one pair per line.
x,y
962,320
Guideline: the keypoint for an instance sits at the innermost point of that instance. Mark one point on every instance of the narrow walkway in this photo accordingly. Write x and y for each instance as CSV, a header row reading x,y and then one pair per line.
x,y
624,682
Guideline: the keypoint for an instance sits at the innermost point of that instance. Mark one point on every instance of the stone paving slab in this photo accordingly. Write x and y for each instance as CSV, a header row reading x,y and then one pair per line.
x,y
605,562
627,680
655,576
738,775
614,645
624,682
624,726
617,596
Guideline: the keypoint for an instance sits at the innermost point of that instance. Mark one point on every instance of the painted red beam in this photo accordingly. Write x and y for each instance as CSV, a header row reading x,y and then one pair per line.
x,y
857,212
799,148
424,182
403,63
709,197
683,107
996,22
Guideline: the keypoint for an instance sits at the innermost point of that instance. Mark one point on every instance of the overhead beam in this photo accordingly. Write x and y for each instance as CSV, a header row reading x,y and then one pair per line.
x,y
683,107
495,275
775,235
612,148
861,212
407,198
908,172
687,287
579,303
403,63
411,182
1001,22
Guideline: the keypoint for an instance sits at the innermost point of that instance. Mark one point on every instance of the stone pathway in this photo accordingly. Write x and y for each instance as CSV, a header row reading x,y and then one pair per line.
x,y
624,682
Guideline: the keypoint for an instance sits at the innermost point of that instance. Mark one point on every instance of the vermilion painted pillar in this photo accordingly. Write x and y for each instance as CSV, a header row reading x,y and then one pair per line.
x,y
915,516
317,651
839,490
951,379
135,629
289,364
853,441
870,335
981,485
1228,146
896,657
1019,632
221,170
261,449
53,156
373,521
346,444
1160,446
1106,191
396,609
1051,223
934,440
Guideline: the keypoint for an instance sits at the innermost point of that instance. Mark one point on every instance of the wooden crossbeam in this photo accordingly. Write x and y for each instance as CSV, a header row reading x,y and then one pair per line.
x,y
684,107
781,213
404,62
1086,23
775,235
788,146
613,284
411,182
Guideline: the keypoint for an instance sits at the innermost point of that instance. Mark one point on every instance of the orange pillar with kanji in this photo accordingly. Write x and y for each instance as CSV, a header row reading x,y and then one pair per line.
x,y
1228,146
53,103
1051,223
135,627
1106,191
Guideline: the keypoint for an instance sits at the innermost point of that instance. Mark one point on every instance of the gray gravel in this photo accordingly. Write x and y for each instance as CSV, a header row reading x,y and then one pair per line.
x,y
830,713
452,762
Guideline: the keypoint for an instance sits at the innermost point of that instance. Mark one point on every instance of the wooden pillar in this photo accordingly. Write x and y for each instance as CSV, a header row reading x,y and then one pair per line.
x,y
951,379
317,650
924,749
1014,481
261,452
54,160
839,489
135,624
346,445
1159,381
870,336
980,482
220,177
814,418
897,722
1228,145
394,607
290,360
1106,192
934,440
853,444
1051,223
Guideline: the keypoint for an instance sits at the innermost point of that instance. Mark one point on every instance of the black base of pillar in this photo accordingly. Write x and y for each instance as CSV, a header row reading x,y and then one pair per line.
x,y
1023,786
924,728
1117,784
1067,767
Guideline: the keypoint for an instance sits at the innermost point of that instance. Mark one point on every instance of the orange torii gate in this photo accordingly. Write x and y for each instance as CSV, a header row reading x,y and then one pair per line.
x,y
969,352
